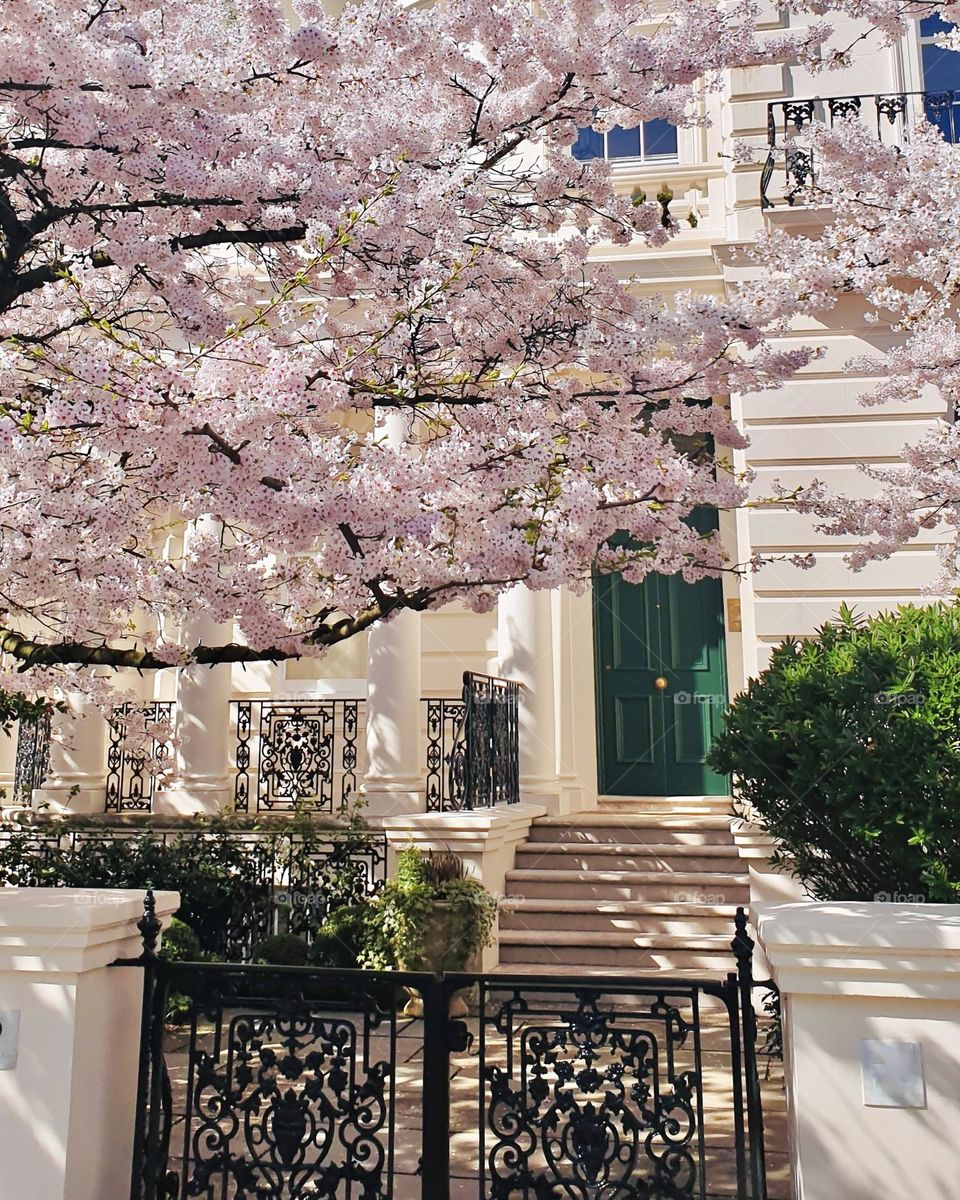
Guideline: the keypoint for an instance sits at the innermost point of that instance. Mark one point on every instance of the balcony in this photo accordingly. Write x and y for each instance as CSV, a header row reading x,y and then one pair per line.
x,y
790,168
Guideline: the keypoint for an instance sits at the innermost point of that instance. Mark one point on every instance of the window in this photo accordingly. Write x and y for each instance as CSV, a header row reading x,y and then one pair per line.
x,y
653,141
941,79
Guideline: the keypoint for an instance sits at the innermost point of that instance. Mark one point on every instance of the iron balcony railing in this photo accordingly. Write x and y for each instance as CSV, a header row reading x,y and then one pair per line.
x,y
307,755
490,752
790,169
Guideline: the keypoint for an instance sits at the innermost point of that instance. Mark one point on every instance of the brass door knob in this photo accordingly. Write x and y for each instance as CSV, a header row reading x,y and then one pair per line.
x,y
659,683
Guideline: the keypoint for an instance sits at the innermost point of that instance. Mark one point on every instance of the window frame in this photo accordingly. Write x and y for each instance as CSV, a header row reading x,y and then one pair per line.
x,y
634,160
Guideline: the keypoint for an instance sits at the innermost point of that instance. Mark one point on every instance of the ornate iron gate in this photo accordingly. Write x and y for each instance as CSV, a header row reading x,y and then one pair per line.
x,y
294,1082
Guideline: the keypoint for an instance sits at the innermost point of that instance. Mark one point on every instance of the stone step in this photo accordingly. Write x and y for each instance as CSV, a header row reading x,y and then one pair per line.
x,y
624,939
628,856
677,887
721,805
624,915
568,953
597,827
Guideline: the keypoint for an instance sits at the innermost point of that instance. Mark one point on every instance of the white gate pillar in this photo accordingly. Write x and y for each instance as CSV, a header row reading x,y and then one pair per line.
x,y
526,653
870,996
70,1040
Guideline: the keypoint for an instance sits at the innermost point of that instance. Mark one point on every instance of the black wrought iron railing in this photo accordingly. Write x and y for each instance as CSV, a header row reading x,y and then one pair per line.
x,y
488,751
297,755
790,168
306,755
443,782
272,880
32,758
292,1081
132,776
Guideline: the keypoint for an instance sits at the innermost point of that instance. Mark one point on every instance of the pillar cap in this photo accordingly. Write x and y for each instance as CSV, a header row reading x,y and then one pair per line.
x,y
73,930
462,830
860,948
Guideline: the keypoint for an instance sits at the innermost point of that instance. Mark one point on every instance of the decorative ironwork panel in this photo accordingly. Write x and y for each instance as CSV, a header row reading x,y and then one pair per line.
x,y
799,172
296,754
33,758
890,107
283,1094
591,1101
444,763
130,782
843,106
797,113
598,1093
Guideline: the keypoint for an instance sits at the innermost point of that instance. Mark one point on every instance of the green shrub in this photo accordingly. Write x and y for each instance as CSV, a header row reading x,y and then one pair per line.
x,y
340,940
847,750
180,943
281,950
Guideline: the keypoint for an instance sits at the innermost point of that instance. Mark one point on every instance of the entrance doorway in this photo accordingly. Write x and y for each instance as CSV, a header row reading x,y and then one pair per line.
x,y
661,684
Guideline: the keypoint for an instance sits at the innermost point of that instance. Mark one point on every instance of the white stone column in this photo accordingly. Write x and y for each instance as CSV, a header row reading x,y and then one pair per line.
x,y
70,1040
202,782
526,653
8,764
871,1025
395,757
76,777
394,780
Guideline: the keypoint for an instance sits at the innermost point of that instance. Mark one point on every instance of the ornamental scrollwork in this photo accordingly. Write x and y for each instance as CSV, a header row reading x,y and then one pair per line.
x,y
593,1108
289,1109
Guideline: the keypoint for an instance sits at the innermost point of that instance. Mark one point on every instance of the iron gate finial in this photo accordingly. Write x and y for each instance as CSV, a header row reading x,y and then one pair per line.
x,y
149,926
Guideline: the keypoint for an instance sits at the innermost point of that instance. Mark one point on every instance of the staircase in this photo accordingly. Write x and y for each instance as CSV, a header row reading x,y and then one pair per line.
x,y
638,884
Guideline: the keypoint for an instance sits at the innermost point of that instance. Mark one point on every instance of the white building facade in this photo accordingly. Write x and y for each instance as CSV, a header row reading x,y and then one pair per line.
x,y
621,686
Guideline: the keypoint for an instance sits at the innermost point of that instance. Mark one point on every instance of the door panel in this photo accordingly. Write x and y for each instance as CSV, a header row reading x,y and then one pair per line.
x,y
635,738
661,684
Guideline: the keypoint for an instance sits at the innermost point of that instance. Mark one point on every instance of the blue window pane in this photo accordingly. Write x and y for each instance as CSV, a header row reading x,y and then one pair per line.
x,y
941,69
659,138
930,26
589,144
623,143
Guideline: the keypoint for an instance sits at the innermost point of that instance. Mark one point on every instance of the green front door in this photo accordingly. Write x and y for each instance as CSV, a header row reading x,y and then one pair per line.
x,y
661,685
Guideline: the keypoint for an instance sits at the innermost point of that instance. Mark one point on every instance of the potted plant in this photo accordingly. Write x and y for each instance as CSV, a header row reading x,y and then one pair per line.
x,y
431,916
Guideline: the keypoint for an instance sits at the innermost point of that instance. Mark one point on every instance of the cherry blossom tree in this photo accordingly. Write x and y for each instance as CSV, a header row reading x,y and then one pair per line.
x,y
892,241
319,291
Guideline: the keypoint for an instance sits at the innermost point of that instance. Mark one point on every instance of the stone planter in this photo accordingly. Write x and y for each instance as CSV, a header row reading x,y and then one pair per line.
x,y
443,950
